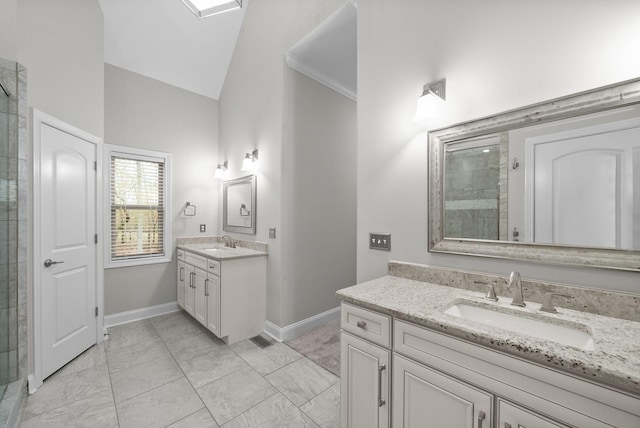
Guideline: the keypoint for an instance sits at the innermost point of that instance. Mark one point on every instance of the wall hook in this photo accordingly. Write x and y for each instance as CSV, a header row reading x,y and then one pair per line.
x,y
516,164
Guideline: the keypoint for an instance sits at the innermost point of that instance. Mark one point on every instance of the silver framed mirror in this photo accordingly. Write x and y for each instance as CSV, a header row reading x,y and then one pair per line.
x,y
468,217
239,205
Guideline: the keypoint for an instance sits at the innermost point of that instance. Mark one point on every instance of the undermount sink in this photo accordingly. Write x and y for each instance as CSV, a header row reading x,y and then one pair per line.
x,y
508,319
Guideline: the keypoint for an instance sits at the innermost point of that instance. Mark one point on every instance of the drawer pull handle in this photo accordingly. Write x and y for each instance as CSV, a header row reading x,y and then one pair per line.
x,y
191,275
481,417
381,401
181,274
206,287
507,425
361,324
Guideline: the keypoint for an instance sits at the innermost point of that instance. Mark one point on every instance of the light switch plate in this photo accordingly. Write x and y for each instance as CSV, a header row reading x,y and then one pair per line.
x,y
380,241
272,232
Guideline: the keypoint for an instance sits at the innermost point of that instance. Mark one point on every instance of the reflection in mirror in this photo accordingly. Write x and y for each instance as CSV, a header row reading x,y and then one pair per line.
x,y
559,180
239,205
475,197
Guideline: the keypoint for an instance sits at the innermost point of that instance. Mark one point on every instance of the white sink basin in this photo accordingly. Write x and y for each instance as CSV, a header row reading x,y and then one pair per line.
x,y
511,321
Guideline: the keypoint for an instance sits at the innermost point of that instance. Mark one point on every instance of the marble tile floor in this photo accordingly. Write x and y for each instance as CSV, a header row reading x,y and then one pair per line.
x,y
169,371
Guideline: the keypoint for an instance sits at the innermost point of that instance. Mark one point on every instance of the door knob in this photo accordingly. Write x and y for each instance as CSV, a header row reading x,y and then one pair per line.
x,y
49,263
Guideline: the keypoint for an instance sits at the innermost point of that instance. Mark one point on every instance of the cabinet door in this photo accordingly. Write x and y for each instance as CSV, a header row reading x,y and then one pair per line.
x,y
181,283
423,397
512,416
200,302
365,383
189,289
213,304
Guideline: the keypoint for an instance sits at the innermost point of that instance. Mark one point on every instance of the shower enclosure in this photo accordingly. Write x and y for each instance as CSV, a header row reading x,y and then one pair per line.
x,y
13,238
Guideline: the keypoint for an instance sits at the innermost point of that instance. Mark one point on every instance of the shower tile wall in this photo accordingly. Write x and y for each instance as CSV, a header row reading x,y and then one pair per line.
x,y
13,223
472,195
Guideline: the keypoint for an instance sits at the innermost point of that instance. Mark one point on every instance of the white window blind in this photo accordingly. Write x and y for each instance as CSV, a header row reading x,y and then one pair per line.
x,y
137,205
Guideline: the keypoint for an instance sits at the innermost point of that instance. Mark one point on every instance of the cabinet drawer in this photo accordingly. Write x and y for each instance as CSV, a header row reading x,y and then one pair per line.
x,y
213,266
195,260
180,254
370,325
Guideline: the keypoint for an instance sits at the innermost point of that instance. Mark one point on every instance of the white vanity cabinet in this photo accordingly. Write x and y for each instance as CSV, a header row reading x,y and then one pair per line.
x,y
228,297
439,380
365,368
425,397
513,416
182,279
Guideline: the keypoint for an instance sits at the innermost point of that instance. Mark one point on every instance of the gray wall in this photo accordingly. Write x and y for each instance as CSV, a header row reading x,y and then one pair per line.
x,y
495,57
61,44
148,114
319,207
252,115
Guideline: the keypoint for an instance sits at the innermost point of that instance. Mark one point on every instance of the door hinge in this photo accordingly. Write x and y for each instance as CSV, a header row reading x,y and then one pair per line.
x,y
96,311
96,238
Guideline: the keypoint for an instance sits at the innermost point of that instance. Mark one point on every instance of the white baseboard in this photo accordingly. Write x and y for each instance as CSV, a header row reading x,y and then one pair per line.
x,y
140,314
283,334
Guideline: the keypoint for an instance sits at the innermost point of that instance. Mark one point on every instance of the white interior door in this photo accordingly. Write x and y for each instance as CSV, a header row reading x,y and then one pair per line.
x,y
66,252
583,189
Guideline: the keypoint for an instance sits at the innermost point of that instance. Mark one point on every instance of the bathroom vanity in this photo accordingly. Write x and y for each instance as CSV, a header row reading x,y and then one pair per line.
x,y
409,360
223,288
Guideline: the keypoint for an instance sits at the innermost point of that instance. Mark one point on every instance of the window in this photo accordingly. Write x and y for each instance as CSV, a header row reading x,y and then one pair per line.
x,y
138,192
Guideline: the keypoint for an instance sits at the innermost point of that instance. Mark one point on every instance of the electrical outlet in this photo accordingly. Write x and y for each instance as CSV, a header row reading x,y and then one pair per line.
x,y
272,232
380,241
203,228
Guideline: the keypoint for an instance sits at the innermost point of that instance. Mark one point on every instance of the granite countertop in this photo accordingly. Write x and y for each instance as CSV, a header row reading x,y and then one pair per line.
x,y
218,251
615,360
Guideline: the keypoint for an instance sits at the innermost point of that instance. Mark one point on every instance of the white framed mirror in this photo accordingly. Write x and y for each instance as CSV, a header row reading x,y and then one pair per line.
x,y
557,182
239,205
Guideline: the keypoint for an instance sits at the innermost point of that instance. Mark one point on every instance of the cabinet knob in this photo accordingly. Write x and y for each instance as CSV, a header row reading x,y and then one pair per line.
x,y
361,324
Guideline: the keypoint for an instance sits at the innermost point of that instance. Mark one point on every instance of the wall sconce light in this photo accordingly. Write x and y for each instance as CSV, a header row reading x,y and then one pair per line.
x,y
433,94
250,161
204,8
221,169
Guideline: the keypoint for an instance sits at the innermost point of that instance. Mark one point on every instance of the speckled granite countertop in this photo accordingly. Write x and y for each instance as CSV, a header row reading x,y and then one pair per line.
x,y
218,251
615,360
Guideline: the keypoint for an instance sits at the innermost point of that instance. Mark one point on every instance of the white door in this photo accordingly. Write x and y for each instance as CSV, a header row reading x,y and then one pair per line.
x,y
67,247
584,188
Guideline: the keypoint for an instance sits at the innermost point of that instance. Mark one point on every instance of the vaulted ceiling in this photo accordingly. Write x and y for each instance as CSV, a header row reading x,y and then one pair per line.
x,y
163,40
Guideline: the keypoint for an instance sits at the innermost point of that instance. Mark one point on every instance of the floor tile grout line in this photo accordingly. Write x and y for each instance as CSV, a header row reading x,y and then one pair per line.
x,y
33,415
204,405
113,395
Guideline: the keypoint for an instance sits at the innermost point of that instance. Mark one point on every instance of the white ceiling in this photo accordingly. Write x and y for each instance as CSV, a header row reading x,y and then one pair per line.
x,y
163,40
328,53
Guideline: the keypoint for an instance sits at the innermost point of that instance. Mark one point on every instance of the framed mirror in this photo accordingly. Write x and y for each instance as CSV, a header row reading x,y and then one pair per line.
x,y
239,205
556,182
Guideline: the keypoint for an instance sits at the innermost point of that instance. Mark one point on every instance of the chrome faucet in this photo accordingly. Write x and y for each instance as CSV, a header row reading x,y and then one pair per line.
x,y
518,298
228,241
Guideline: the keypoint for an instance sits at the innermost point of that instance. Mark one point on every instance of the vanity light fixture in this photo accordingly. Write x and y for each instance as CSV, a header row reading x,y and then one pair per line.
x,y
433,94
204,8
250,161
221,169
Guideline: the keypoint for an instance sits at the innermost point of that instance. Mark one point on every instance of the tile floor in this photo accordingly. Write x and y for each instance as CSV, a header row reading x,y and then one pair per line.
x,y
169,371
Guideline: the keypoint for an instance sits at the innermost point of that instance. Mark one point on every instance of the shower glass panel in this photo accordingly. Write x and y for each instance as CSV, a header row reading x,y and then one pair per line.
x,y
13,233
